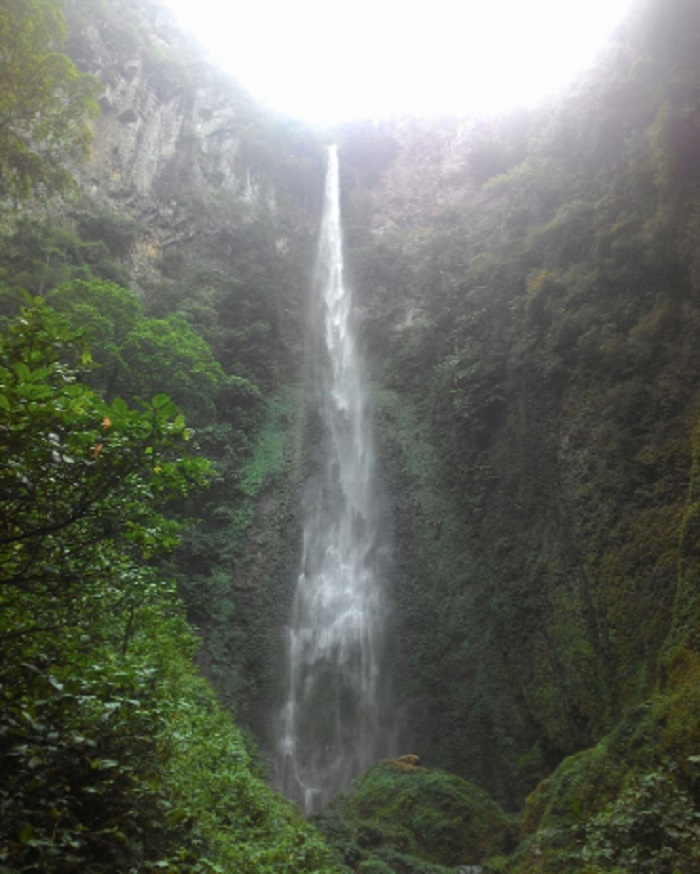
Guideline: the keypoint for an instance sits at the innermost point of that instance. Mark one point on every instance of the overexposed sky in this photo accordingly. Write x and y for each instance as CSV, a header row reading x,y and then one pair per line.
x,y
326,61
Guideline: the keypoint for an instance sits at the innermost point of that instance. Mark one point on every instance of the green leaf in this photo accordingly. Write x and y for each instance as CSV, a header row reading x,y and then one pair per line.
x,y
22,371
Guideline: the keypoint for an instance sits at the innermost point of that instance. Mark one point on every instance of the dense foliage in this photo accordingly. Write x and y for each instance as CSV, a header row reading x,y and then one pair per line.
x,y
207,204
213,330
80,476
43,99
114,754
402,817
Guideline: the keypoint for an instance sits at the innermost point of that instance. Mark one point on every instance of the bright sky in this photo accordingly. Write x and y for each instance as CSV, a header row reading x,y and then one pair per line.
x,y
326,61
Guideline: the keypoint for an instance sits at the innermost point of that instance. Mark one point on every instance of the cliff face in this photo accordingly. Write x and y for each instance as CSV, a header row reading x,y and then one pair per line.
x,y
179,147
530,291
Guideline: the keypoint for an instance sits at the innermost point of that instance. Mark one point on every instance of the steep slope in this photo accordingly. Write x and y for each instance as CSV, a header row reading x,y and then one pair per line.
x,y
530,290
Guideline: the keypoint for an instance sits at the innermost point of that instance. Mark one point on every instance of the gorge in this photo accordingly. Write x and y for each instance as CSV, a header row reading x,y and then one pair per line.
x,y
525,297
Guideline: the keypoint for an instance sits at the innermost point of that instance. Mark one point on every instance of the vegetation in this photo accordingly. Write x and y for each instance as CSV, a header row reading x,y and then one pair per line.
x,y
533,343
115,754
401,817
531,306
44,99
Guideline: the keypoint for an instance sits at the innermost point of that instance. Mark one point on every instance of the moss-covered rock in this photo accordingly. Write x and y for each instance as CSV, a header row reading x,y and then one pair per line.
x,y
411,819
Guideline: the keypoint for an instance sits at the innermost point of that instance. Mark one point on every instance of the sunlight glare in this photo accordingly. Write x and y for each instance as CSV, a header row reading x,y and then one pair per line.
x,y
328,61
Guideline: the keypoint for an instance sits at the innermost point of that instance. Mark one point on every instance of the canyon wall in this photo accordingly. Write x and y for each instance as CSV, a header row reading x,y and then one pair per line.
x,y
529,286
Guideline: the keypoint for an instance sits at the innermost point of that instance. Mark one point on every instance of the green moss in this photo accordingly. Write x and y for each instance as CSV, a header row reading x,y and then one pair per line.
x,y
374,866
436,523
432,571
627,803
411,816
274,448
243,601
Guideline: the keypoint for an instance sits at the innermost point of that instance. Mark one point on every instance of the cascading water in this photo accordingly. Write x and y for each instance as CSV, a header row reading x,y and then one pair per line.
x,y
330,722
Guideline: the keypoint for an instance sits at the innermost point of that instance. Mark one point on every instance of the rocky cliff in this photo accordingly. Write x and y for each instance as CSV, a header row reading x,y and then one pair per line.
x,y
180,148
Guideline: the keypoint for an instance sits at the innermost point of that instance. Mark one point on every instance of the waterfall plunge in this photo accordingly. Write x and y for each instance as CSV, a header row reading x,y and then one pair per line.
x,y
330,722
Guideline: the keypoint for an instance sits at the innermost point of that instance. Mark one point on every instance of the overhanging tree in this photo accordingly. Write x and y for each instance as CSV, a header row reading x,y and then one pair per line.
x,y
81,480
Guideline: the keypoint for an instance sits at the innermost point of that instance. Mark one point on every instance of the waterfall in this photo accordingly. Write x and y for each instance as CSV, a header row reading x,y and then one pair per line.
x,y
330,725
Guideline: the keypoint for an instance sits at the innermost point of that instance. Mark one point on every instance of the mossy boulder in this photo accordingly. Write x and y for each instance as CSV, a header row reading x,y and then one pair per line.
x,y
414,819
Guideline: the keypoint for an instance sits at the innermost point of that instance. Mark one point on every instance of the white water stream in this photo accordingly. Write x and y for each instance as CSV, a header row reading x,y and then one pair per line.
x,y
330,722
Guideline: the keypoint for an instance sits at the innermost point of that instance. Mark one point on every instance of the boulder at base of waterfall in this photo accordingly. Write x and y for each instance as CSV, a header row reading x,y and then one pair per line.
x,y
414,819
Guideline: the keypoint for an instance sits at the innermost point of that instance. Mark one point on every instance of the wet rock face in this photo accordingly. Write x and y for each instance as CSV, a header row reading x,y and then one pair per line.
x,y
142,141
170,125
182,151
